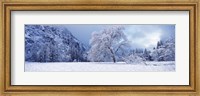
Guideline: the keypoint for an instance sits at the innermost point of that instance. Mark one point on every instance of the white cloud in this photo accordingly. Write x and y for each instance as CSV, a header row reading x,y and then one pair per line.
x,y
143,36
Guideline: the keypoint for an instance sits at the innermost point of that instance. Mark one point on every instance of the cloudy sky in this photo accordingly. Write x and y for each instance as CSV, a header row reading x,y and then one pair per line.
x,y
141,36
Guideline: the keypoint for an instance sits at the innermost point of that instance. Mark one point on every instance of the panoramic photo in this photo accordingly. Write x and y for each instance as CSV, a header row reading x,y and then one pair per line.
x,y
100,48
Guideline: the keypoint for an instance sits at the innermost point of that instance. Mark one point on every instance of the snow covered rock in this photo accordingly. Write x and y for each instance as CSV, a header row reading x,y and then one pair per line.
x,y
51,43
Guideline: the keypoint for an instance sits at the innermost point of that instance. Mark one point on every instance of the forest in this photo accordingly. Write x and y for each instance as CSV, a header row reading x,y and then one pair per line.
x,y
51,43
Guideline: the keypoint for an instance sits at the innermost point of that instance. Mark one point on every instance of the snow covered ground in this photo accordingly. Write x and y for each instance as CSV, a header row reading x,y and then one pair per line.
x,y
99,67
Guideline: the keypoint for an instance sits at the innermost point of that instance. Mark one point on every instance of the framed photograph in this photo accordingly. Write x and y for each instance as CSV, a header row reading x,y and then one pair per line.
x,y
100,47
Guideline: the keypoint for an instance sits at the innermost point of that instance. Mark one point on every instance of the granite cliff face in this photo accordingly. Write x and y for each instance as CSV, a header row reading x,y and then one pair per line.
x,y
51,43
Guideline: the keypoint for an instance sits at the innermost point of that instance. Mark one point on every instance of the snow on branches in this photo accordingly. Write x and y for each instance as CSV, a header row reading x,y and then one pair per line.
x,y
164,51
134,59
107,43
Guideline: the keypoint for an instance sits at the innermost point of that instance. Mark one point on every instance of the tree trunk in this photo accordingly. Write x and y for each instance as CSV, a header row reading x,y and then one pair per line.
x,y
114,60
113,54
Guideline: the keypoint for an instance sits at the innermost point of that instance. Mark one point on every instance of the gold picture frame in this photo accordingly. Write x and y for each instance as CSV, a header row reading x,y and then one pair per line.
x,y
119,5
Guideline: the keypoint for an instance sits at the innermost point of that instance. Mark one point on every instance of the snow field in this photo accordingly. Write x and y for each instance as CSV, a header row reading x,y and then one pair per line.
x,y
168,66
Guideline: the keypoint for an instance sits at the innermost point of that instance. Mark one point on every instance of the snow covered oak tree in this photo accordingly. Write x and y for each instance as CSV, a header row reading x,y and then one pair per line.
x,y
108,45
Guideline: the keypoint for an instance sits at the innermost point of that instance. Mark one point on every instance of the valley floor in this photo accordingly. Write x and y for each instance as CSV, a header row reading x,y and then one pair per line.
x,y
99,67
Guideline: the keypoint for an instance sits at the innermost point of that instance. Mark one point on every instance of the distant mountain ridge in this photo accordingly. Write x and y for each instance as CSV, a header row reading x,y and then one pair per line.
x,y
49,43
